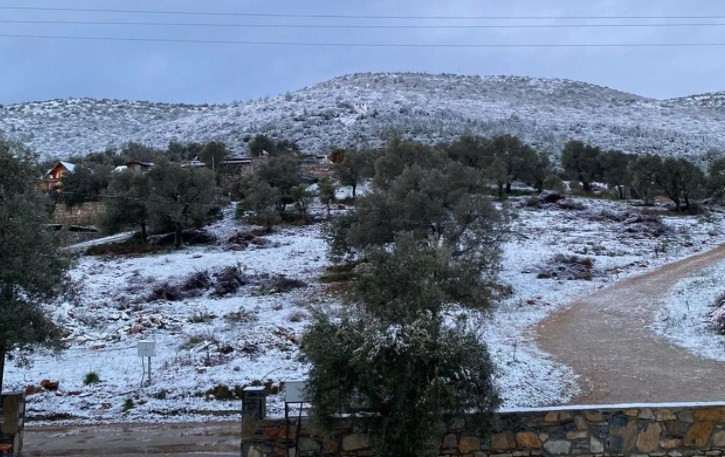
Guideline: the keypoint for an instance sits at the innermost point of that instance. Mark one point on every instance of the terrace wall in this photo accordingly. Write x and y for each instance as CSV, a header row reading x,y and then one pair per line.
x,y
656,430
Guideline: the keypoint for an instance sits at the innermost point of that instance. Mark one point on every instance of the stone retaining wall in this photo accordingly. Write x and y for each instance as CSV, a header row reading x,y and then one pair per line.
x,y
85,214
625,430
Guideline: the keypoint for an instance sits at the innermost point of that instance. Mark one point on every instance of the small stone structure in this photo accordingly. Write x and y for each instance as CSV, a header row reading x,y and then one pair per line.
x,y
12,418
656,430
84,214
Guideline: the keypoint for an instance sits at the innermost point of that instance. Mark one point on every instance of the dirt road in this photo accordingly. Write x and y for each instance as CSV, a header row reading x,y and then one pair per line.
x,y
127,440
604,338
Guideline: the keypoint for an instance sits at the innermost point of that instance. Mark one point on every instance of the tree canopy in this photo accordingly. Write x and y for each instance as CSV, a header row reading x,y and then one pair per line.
x,y
32,271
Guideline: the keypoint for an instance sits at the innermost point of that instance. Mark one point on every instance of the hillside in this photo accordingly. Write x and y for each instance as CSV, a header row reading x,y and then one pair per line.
x,y
363,109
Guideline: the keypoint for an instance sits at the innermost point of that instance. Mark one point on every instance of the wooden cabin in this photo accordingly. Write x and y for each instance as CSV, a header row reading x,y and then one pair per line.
x,y
239,163
136,165
53,178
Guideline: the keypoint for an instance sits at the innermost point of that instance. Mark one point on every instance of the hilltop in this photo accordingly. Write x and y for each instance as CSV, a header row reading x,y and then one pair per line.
x,y
364,109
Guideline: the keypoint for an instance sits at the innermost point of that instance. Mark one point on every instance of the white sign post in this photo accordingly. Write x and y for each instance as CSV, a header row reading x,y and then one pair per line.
x,y
146,348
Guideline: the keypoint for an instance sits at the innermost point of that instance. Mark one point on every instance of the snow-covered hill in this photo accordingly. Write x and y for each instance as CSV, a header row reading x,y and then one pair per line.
x,y
364,109
710,100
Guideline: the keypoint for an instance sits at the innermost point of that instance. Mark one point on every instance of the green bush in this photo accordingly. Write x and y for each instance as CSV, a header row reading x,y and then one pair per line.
x,y
91,378
128,405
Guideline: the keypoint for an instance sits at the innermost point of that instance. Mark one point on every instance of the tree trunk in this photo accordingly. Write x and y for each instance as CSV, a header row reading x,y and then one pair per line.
x,y
144,233
177,236
539,185
2,370
354,191
508,187
586,186
621,192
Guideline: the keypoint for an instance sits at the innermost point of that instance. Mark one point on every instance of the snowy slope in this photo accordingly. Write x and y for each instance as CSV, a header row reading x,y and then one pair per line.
x,y
364,109
264,345
710,100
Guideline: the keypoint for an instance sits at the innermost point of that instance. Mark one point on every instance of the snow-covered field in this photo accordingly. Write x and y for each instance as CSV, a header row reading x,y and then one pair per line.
x,y
252,335
685,318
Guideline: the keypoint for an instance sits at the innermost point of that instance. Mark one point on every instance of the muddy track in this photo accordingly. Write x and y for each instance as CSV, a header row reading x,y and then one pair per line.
x,y
605,339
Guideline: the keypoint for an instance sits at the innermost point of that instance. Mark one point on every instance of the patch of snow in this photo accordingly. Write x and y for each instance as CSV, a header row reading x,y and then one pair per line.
x,y
685,315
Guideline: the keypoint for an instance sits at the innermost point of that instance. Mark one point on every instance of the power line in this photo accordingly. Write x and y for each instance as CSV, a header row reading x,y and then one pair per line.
x,y
338,16
369,45
357,26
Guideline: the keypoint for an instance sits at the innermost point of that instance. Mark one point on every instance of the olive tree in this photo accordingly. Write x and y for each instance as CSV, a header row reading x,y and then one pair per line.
x,y
127,202
581,162
392,361
32,271
179,197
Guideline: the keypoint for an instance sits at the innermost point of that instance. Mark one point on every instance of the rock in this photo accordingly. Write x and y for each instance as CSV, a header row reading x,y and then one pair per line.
x,y
551,416
646,413
528,440
557,447
576,435
105,405
595,446
565,416
31,390
670,443
631,412
329,447
718,439
550,196
450,441
355,442
664,415
97,346
649,438
685,416
503,440
622,432
309,445
49,385
594,416
580,423
201,370
716,415
469,444
134,329
698,434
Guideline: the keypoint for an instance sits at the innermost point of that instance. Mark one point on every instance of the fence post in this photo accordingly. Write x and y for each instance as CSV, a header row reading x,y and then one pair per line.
x,y
254,409
12,422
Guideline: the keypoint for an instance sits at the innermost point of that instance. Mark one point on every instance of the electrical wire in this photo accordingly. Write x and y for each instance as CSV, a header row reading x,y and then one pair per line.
x,y
346,16
368,45
354,26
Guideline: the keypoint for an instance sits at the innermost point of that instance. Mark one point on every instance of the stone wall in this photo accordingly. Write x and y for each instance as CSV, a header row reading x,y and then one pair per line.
x,y
625,430
85,214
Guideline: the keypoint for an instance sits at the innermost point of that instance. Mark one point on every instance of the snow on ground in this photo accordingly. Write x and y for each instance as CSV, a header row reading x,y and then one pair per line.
x,y
260,342
529,377
112,303
685,316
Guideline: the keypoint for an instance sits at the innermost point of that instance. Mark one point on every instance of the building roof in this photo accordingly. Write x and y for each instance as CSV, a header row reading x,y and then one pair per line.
x,y
236,161
143,164
67,165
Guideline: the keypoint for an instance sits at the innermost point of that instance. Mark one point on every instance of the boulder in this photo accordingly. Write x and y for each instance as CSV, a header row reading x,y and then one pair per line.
x,y
49,385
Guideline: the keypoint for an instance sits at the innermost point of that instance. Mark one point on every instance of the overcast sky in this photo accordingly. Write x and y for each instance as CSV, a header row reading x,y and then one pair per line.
x,y
34,69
